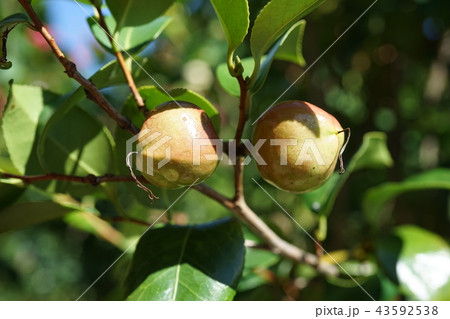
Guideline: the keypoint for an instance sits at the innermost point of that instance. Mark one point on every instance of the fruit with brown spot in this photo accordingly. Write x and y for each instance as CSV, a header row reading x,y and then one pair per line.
x,y
177,146
301,148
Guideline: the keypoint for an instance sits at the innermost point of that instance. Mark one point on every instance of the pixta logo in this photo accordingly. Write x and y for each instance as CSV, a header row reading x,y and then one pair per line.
x,y
148,142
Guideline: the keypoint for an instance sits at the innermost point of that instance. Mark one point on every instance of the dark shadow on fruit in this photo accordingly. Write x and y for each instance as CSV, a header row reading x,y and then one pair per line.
x,y
292,111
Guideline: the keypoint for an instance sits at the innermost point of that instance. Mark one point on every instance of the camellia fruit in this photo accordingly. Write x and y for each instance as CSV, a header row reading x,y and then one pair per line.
x,y
177,146
300,146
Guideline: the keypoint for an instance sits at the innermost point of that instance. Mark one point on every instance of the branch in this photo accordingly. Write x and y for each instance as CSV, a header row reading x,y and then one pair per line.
x,y
92,91
88,179
240,208
126,72
273,241
242,109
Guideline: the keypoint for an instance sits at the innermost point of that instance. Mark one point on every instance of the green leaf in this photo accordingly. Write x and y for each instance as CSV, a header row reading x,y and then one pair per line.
x,y
274,20
111,74
228,82
137,12
234,16
199,262
74,143
33,207
6,163
418,260
130,39
255,260
291,49
266,61
154,96
377,197
90,223
373,154
288,47
18,127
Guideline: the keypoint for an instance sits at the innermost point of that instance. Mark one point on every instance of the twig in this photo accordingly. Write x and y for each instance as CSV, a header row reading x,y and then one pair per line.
x,y
238,172
273,241
242,109
126,71
88,179
70,68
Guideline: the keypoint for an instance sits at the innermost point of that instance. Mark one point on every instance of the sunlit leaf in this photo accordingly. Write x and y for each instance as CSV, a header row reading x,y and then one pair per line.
x,y
418,260
266,60
130,39
74,143
18,127
234,18
137,12
200,262
154,96
274,20
90,223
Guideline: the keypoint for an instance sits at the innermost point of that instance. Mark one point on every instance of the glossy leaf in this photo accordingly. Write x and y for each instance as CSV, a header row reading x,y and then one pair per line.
x,y
137,12
154,96
130,39
6,163
74,143
90,223
418,260
377,197
33,207
373,154
274,20
18,127
266,61
234,18
200,262
291,49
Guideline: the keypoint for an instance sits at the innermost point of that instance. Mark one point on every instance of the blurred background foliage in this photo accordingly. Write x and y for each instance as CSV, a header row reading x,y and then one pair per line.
x,y
389,73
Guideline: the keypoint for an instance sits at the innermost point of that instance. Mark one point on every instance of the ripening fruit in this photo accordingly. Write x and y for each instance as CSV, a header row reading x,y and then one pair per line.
x,y
177,146
301,147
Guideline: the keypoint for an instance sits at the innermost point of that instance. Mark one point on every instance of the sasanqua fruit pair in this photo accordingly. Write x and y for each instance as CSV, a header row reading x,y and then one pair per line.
x,y
301,144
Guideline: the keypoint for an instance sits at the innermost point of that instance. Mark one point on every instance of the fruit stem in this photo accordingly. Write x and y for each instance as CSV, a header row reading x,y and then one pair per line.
x,y
341,161
149,192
